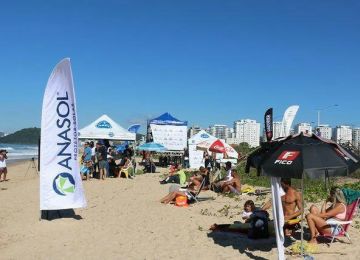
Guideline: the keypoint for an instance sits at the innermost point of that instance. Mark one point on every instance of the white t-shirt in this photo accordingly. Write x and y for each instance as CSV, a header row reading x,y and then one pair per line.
x,y
246,214
228,175
93,151
2,162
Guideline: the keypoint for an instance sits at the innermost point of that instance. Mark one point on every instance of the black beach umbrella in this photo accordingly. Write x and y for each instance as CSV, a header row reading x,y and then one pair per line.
x,y
303,155
308,155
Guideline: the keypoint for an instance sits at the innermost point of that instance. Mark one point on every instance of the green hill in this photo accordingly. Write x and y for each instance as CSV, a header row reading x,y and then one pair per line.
x,y
23,136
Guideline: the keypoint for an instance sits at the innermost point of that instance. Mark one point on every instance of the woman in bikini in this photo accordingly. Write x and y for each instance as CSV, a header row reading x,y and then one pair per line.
x,y
318,219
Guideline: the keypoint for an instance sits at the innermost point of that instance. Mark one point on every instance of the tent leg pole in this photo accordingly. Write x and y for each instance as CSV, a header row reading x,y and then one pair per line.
x,y
302,217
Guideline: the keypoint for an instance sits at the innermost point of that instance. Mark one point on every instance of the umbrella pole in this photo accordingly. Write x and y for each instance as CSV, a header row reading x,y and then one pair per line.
x,y
302,217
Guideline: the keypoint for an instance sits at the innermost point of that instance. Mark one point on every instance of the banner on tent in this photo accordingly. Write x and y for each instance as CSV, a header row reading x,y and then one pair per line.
x,y
60,182
171,136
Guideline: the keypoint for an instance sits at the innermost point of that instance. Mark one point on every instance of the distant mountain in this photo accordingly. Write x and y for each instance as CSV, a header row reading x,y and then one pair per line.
x,y
23,136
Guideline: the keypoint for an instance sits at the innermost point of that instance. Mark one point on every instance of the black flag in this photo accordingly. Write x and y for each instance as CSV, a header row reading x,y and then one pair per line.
x,y
268,118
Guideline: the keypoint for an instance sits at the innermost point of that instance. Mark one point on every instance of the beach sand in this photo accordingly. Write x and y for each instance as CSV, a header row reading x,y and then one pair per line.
x,y
124,220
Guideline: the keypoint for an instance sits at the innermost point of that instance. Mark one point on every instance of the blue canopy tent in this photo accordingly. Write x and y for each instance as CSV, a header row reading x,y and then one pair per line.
x,y
167,119
168,131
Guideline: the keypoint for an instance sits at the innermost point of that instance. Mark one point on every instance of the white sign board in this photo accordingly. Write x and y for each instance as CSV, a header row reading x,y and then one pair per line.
x,y
173,137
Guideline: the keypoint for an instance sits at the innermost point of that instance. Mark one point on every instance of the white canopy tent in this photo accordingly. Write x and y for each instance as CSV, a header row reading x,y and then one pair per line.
x,y
196,156
106,128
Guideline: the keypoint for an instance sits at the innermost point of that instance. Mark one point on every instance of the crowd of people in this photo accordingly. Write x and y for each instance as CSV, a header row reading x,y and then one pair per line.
x,y
101,161
319,219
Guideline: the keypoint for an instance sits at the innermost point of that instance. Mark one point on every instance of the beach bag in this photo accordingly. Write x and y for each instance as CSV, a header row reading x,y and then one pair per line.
x,y
259,225
181,201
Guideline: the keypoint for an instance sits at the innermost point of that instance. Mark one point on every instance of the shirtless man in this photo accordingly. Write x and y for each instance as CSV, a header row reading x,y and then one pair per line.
x,y
197,179
232,185
291,202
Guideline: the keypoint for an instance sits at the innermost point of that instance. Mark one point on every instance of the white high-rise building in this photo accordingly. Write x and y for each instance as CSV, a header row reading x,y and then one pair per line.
x,y
219,131
324,131
342,134
356,137
305,128
230,132
247,131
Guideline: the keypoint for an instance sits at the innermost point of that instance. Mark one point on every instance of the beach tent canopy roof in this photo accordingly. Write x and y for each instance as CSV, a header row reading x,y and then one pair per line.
x,y
105,128
201,137
167,119
204,137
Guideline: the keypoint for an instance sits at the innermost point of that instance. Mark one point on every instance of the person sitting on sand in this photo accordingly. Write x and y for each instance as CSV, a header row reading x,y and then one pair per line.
x,y
231,186
3,168
216,186
125,164
172,176
318,219
176,175
249,208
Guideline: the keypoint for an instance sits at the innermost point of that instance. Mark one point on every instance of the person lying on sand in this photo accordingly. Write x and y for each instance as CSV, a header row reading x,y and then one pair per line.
x,y
318,219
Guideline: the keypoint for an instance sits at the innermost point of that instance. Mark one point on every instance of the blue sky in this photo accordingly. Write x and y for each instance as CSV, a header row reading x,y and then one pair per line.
x,y
203,61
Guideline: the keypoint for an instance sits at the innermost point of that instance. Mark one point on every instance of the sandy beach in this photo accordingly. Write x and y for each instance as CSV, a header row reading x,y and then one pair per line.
x,y
124,220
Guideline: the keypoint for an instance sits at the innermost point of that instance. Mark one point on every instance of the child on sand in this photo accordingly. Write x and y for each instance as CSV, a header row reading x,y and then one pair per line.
x,y
249,208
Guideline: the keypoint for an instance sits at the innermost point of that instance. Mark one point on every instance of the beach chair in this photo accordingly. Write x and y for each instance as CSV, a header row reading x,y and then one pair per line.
x,y
125,171
192,195
351,211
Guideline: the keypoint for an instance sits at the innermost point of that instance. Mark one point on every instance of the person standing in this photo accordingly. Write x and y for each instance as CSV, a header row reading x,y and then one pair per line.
x,y
186,158
87,161
93,156
3,168
101,155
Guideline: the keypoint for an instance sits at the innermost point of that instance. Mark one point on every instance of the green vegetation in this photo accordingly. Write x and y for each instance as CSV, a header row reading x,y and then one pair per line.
x,y
314,189
243,148
24,136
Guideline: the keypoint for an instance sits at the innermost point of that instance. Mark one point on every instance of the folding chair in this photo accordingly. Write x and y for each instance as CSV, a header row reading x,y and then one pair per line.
x,y
192,195
125,171
351,211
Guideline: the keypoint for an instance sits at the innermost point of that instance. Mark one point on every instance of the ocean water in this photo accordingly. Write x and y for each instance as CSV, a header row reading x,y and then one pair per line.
x,y
20,151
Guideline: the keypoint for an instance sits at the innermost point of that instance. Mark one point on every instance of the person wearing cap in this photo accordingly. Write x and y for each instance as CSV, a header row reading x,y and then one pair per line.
x,y
3,168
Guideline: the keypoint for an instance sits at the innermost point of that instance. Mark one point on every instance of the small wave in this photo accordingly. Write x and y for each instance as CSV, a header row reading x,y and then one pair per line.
x,y
7,148
20,154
